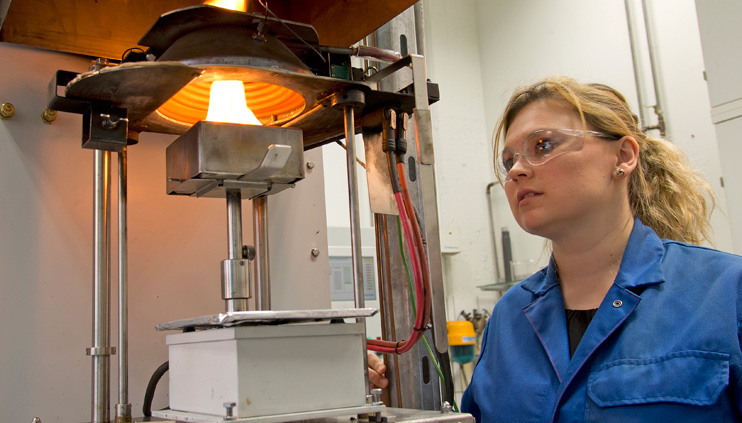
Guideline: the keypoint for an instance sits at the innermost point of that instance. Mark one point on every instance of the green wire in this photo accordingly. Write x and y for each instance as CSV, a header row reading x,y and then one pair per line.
x,y
414,306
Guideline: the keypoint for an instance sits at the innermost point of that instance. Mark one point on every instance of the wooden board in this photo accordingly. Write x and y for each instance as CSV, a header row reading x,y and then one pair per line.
x,y
106,28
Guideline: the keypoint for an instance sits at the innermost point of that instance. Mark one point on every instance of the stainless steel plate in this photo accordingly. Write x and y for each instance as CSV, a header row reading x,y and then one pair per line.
x,y
266,317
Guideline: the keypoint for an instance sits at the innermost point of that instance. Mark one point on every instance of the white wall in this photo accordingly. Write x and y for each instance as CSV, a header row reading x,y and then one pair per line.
x,y
479,51
721,35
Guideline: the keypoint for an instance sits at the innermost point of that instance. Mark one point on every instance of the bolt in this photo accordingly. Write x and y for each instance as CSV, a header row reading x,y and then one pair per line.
x,y
376,394
446,407
99,64
7,111
310,165
36,420
49,116
248,252
315,252
229,406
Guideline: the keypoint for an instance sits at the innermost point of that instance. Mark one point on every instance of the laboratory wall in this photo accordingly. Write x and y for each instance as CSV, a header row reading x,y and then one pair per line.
x,y
176,245
480,50
721,37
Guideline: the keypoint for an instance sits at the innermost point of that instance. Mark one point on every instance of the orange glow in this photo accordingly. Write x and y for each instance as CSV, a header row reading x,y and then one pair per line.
x,y
271,104
227,104
238,5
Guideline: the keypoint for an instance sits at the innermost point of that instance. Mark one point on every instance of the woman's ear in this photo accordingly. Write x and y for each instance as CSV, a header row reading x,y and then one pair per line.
x,y
628,155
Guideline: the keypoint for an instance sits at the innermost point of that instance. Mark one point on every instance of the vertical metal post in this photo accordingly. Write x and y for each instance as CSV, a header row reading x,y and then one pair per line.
x,y
123,408
234,242
262,259
101,286
355,220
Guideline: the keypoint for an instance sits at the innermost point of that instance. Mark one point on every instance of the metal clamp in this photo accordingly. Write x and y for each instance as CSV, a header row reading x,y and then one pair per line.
x,y
100,351
111,122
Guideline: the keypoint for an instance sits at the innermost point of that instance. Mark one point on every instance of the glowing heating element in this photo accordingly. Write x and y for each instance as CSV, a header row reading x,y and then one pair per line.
x,y
269,103
238,5
227,104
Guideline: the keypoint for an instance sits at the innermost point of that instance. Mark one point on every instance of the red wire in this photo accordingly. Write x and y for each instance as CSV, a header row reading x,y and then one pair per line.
x,y
425,269
420,271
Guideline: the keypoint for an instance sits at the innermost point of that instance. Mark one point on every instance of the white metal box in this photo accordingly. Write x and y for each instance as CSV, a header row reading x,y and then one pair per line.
x,y
267,370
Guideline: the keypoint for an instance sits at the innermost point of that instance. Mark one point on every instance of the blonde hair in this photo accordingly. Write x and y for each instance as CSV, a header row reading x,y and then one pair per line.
x,y
665,193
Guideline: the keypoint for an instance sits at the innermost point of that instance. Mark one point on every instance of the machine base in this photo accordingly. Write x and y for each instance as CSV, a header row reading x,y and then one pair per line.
x,y
398,415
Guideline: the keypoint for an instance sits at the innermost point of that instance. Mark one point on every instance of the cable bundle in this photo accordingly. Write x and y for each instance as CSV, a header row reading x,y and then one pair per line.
x,y
416,250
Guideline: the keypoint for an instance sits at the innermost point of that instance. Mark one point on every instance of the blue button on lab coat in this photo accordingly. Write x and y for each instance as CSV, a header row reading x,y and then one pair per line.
x,y
664,345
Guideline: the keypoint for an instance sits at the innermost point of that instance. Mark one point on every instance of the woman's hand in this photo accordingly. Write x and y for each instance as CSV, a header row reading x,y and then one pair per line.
x,y
376,371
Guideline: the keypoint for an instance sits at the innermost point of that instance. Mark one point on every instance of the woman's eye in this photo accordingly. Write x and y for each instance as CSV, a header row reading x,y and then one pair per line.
x,y
507,163
543,146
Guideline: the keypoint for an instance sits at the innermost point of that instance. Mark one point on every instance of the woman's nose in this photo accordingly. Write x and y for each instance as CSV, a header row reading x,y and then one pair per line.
x,y
519,166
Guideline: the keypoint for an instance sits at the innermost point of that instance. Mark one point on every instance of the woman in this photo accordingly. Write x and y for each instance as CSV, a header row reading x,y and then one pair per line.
x,y
629,322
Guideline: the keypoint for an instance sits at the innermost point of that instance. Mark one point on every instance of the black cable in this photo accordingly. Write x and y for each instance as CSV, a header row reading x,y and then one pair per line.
x,y
401,147
149,394
393,174
448,389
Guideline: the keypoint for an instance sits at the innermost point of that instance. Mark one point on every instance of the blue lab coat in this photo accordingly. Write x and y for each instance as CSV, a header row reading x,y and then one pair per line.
x,y
664,345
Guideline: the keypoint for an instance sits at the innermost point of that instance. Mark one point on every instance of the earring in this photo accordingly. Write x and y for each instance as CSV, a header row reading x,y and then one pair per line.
x,y
620,172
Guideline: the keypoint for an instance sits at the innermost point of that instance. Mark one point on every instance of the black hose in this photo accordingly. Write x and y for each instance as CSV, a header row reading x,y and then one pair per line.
x,y
393,174
448,388
149,394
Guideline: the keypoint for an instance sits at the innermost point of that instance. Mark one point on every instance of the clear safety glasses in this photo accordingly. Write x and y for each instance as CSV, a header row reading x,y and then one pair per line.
x,y
543,145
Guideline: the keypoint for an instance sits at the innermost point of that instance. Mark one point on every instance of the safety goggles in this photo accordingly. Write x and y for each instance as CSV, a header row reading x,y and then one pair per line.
x,y
543,145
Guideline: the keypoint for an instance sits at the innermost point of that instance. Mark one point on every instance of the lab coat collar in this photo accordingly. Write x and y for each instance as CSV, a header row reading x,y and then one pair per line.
x,y
640,265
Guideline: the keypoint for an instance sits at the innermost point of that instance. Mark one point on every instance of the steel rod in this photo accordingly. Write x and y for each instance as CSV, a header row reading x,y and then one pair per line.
x,y
262,258
101,286
234,243
355,221
123,408
234,224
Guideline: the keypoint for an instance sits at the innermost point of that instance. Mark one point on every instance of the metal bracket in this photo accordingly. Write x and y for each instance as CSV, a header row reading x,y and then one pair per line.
x,y
100,351
104,127
274,160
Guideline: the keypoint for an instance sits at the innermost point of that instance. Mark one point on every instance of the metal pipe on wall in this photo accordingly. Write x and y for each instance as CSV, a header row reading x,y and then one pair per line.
x,y
123,408
637,69
653,65
101,348
492,231
419,28
262,259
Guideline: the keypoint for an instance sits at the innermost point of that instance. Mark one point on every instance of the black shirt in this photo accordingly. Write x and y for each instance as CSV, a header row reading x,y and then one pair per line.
x,y
577,322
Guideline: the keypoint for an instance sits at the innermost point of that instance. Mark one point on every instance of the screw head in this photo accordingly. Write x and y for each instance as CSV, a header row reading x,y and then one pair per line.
x,y
310,165
7,111
315,252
